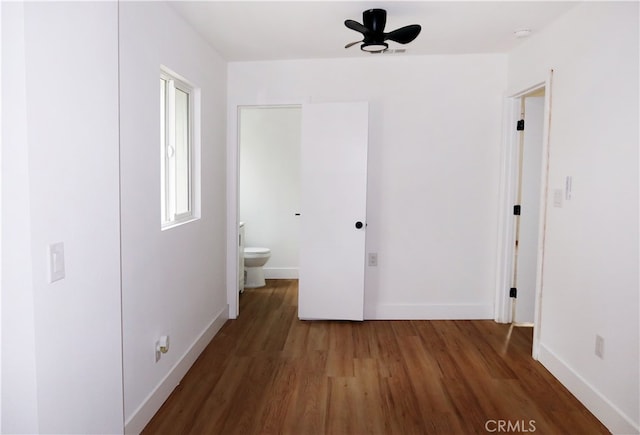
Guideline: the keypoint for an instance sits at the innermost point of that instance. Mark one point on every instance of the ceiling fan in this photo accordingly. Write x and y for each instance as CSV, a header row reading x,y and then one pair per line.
x,y
373,33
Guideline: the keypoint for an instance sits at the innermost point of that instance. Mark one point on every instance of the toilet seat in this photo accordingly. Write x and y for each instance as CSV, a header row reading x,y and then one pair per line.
x,y
256,251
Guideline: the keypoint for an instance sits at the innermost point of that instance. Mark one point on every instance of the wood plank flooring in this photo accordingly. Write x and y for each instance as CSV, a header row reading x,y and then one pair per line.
x,y
268,372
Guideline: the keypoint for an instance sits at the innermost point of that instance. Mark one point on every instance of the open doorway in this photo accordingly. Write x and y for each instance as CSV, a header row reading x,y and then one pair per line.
x,y
268,192
523,210
332,209
527,208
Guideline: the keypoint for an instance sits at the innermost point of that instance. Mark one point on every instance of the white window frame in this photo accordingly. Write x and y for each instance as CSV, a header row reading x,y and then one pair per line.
x,y
168,149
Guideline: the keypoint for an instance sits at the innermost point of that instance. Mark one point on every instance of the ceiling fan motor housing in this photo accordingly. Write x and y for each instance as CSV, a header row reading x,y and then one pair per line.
x,y
375,20
372,29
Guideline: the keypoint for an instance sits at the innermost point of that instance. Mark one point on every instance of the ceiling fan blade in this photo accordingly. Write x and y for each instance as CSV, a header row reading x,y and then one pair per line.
x,y
405,34
354,25
352,44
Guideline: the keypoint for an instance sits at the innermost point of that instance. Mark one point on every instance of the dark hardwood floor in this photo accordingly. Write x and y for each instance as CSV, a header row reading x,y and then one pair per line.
x,y
268,372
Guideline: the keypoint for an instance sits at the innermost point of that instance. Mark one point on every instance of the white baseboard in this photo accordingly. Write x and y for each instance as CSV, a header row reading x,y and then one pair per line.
x,y
141,416
614,419
281,272
429,312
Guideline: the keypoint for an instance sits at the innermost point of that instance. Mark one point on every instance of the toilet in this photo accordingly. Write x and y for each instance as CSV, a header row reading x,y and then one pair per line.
x,y
254,259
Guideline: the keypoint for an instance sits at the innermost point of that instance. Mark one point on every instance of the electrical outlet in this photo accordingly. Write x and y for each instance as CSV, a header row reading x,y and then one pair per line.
x,y
599,347
156,348
373,259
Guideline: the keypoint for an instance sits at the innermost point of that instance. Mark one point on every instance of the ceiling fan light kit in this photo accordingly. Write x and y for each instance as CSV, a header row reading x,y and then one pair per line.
x,y
374,36
374,47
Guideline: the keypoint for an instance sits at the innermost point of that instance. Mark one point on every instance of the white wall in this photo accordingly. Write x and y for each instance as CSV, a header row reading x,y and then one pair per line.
x,y
270,184
435,125
590,283
19,406
62,366
173,281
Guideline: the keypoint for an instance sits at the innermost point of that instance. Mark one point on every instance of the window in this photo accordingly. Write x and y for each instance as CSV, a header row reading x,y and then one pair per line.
x,y
176,139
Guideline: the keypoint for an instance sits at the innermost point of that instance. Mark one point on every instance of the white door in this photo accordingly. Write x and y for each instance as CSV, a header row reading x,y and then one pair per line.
x,y
527,250
333,208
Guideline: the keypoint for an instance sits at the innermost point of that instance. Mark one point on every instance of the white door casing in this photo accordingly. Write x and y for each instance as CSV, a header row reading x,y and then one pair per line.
x,y
508,194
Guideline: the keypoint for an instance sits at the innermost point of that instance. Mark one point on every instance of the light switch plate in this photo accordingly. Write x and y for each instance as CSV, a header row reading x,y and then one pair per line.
x,y
568,187
56,262
557,197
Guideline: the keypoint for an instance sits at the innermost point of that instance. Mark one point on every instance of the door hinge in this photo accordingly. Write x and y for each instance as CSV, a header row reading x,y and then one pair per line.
x,y
516,210
513,292
520,125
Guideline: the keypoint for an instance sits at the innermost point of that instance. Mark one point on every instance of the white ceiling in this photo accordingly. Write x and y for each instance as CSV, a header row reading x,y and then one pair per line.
x,y
270,30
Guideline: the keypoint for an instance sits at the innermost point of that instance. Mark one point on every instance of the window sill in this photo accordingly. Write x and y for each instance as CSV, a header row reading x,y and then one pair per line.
x,y
178,223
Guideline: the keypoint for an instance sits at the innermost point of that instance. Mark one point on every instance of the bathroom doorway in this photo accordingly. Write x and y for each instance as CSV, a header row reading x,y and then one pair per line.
x,y
320,180
269,184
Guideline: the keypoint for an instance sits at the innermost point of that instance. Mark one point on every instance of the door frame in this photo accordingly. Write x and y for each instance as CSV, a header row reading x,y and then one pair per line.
x,y
233,183
508,189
